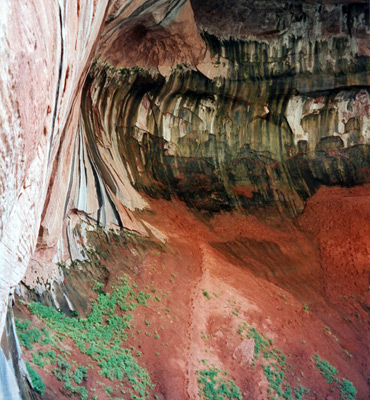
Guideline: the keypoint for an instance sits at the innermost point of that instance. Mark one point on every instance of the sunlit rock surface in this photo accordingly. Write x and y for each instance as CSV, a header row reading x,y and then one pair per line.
x,y
42,73
236,106
245,110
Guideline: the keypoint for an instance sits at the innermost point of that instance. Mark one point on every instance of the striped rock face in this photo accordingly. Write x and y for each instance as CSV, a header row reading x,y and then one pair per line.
x,y
105,105
257,113
46,51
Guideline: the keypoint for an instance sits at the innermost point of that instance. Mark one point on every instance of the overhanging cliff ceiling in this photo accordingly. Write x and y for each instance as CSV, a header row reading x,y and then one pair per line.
x,y
222,118
110,109
259,103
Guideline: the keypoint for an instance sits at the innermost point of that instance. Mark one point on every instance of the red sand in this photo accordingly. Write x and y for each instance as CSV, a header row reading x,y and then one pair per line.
x,y
266,270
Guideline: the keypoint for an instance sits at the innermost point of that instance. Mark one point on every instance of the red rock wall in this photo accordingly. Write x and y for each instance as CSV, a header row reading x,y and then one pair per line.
x,y
45,52
49,179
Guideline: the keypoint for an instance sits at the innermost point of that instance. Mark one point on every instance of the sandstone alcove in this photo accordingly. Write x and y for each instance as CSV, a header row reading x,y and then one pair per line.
x,y
184,199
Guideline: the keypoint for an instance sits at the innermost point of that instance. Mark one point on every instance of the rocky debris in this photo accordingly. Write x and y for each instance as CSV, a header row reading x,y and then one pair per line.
x,y
244,352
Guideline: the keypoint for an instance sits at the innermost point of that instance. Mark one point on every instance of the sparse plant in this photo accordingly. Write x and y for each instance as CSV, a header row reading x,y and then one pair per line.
x,y
213,384
206,294
100,336
328,372
36,379
347,390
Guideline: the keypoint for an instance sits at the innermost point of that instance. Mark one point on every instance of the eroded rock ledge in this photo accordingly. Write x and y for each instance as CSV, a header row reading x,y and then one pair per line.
x,y
256,105
258,114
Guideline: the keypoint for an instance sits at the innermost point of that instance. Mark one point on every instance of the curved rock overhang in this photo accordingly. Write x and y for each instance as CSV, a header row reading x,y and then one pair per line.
x,y
224,105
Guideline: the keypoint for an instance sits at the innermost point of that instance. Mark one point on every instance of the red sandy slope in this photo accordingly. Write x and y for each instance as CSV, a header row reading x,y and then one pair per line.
x,y
303,283
264,271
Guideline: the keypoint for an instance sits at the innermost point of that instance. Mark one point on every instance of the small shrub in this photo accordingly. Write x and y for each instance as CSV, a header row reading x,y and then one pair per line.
x,y
346,387
27,336
80,374
328,372
212,387
206,294
37,359
108,390
36,379
100,336
347,390
299,392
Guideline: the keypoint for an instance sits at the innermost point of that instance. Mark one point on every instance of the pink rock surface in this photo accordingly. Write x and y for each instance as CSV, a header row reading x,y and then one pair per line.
x,y
47,175
45,52
244,352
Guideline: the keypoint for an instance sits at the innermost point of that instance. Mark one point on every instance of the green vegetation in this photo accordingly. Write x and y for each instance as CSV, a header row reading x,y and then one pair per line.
x,y
273,362
206,294
328,372
80,374
100,336
37,382
213,387
274,367
347,390
259,342
108,390
38,359
27,337
64,372
300,391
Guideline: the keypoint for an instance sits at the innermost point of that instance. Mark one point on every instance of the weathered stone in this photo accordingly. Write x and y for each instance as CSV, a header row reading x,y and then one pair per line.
x,y
244,352
224,105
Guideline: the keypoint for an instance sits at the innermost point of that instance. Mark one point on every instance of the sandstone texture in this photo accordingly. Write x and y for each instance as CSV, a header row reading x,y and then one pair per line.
x,y
231,137
46,50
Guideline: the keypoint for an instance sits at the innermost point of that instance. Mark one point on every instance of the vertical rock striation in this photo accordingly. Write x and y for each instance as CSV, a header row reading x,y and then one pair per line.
x,y
224,105
259,105
46,50
216,111
258,121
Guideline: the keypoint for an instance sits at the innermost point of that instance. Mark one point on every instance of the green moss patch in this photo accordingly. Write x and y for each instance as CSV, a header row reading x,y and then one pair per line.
x,y
213,385
101,336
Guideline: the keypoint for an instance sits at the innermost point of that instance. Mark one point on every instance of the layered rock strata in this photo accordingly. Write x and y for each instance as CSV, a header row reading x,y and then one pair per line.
x,y
45,53
222,144
226,106
254,116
